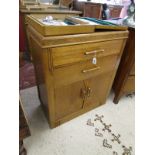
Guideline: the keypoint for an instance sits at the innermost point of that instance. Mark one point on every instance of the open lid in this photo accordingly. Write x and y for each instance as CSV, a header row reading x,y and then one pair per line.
x,y
105,24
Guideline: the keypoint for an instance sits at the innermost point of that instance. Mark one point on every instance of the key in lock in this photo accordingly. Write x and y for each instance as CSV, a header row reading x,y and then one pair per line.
x,y
94,61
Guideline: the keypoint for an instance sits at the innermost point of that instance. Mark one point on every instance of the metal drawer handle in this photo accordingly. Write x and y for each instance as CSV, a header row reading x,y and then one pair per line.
x,y
89,91
93,52
83,94
92,69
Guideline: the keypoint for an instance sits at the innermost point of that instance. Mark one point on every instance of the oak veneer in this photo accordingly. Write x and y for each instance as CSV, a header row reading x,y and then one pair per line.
x,y
93,10
68,83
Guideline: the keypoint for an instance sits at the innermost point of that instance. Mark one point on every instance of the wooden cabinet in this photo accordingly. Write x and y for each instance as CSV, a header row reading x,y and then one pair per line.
x,y
88,9
69,84
93,10
125,78
81,95
115,11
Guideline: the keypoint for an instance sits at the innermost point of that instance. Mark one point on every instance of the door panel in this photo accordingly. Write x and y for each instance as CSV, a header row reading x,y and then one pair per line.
x,y
98,87
82,94
68,99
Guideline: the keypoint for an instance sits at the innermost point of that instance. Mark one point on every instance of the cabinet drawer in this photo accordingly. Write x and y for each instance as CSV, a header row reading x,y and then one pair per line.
x,y
83,70
130,84
76,53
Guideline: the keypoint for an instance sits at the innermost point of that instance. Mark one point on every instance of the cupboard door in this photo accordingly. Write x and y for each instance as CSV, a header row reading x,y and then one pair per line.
x,y
82,94
98,88
68,99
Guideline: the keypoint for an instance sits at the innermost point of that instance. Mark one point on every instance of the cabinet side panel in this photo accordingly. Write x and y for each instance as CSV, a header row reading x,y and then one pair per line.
x,y
37,56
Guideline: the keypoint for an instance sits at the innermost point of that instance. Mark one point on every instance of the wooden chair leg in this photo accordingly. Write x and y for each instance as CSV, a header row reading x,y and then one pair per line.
x,y
117,98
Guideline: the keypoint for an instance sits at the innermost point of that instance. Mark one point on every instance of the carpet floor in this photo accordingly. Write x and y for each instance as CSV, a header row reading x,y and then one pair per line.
x,y
106,130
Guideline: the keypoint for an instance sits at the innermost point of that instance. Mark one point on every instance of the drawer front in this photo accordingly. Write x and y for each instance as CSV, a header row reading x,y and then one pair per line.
x,y
83,70
129,85
76,53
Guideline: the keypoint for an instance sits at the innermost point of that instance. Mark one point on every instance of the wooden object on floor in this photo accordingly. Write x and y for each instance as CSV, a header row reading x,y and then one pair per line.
x,y
125,78
88,9
115,11
24,130
69,81
93,10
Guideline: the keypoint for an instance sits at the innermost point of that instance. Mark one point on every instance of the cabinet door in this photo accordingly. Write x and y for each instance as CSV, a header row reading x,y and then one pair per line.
x,y
82,94
98,89
68,99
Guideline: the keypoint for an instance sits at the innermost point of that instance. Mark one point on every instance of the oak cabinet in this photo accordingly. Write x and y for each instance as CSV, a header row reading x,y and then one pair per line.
x,y
81,95
69,83
124,82
93,10
115,11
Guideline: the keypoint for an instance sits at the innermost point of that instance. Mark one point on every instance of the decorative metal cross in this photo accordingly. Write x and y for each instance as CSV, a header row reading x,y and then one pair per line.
x,y
107,127
99,118
116,138
127,151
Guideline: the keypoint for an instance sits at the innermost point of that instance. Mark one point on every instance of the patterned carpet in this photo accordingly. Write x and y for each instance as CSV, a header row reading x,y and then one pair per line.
x,y
26,75
109,138
106,130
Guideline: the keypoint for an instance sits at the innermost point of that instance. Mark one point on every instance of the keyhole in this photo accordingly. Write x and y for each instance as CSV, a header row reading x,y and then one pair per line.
x,y
94,61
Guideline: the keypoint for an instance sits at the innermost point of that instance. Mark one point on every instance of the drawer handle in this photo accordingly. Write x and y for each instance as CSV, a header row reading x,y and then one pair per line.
x,y
92,69
89,91
93,52
83,93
